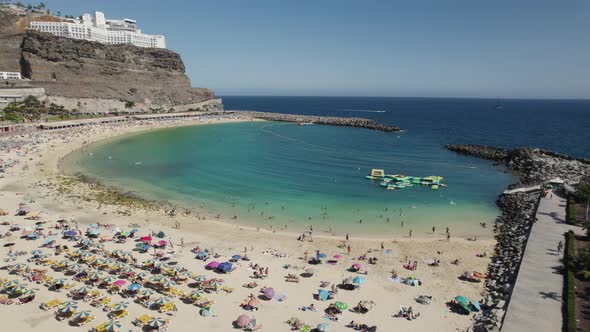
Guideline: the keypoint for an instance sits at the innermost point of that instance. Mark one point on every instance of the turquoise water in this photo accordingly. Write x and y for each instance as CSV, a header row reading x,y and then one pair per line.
x,y
283,175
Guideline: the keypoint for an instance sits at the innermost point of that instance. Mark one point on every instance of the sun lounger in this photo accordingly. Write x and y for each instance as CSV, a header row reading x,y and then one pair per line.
x,y
101,302
227,289
118,314
50,305
142,320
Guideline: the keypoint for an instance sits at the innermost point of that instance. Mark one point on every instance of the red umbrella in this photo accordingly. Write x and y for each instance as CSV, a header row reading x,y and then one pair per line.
x,y
242,321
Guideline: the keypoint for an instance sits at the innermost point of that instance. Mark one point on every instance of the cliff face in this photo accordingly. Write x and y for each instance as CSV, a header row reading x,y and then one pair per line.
x,y
84,69
78,71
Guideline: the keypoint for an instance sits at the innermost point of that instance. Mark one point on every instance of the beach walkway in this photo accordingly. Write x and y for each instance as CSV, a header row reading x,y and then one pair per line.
x,y
536,303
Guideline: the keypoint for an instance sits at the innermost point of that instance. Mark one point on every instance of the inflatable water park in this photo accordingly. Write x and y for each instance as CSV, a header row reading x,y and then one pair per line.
x,y
400,181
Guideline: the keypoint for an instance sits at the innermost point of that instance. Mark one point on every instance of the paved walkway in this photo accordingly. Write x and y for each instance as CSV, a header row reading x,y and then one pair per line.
x,y
536,300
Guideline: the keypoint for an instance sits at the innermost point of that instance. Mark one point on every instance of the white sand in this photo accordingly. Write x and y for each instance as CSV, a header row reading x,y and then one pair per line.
x,y
36,185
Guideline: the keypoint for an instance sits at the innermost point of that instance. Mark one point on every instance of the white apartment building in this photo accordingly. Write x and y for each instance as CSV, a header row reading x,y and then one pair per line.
x,y
9,75
97,28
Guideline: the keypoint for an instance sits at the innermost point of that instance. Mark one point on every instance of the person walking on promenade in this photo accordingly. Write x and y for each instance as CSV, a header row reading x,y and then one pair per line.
x,y
559,247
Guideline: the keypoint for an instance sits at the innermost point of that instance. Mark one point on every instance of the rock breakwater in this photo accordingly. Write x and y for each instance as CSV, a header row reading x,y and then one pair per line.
x,y
533,166
513,226
322,120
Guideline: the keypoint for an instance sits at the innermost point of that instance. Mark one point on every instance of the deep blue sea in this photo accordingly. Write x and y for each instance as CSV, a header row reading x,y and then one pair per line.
x,y
272,174
558,125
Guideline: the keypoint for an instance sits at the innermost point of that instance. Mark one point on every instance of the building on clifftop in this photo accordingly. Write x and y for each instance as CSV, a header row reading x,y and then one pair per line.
x,y
97,28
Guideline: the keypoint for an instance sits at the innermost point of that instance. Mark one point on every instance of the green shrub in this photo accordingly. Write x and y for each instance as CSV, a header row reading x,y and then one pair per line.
x,y
569,283
571,211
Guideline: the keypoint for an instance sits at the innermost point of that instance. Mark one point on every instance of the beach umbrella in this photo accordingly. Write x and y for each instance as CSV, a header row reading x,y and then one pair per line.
x,y
475,305
95,275
162,301
84,290
322,255
161,235
236,257
70,233
155,279
225,267
146,292
10,259
69,304
108,279
205,312
19,289
134,287
36,252
18,267
142,275
119,282
200,278
49,240
59,282
29,292
242,321
120,306
359,280
323,294
166,284
357,266
112,326
338,256
195,295
12,283
462,299
83,314
341,305
67,309
202,254
269,293
216,284
156,323
212,265
323,327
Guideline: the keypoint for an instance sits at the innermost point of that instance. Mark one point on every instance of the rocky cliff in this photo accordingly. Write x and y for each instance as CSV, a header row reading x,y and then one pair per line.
x,y
83,70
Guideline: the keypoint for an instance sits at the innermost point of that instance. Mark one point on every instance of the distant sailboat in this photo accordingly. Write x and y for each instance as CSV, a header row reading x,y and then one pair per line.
x,y
499,106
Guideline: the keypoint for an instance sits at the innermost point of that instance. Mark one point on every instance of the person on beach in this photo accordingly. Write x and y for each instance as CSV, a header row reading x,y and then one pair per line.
x,y
348,249
559,247
448,236
410,233
433,229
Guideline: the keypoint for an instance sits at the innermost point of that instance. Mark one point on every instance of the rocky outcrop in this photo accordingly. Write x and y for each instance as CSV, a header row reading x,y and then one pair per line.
x,y
152,78
533,166
323,120
81,71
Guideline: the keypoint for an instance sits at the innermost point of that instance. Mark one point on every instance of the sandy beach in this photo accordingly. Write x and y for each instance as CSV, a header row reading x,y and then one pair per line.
x,y
35,180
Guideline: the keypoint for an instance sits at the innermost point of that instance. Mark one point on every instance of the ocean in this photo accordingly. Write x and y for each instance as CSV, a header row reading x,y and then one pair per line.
x,y
281,175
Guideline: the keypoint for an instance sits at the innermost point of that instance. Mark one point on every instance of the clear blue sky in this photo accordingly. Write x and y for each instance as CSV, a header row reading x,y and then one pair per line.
x,y
470,48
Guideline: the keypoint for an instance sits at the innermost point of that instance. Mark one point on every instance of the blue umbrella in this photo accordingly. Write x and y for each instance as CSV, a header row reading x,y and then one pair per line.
x,y
359,280
323,294
323,327
49,240
32,236
202,254
225,267
322,255
70,233
475,305
145,248
236,257
134,287
36,252
93,225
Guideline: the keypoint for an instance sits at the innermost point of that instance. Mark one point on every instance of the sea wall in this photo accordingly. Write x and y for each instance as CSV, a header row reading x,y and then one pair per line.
x,y
322,120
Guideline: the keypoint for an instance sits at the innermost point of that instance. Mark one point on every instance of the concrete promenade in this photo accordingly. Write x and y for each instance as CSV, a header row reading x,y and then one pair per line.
x,y
536,303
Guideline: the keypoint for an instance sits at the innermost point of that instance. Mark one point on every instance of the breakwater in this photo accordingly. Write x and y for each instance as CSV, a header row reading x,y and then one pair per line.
x,y
321,120
533,166
513,226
